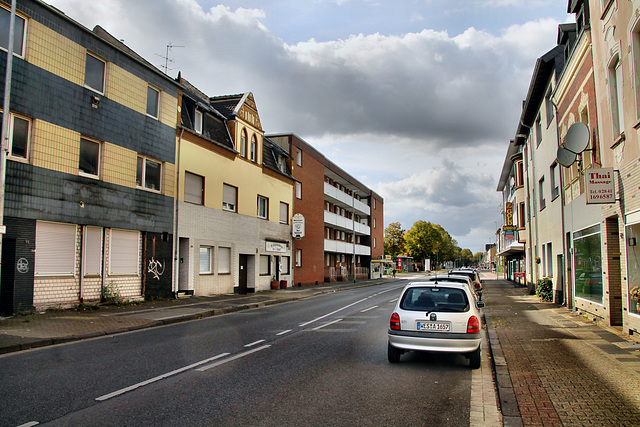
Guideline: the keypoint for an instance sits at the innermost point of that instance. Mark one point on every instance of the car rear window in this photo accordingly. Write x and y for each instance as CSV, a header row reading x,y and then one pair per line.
x,y
435,299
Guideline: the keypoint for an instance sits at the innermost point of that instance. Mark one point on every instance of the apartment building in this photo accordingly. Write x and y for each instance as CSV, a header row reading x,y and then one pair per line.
x,y
615,30
235,194
90,166
343,219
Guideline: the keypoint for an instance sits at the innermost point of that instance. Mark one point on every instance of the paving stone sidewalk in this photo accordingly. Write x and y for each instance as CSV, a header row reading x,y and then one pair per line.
x,y
554,367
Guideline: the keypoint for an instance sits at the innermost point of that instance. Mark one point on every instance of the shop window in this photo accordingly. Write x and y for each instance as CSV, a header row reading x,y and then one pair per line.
x,y
124,252
587,261
55,253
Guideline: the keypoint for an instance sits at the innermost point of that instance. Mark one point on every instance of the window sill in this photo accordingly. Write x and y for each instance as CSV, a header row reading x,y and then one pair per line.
x,y
618,140
151,190
88,175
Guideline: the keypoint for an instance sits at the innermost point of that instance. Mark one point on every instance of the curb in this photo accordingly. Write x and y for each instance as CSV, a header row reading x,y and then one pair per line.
x,y
506,396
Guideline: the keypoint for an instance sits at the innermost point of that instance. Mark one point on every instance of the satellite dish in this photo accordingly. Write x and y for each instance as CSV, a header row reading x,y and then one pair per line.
x,y
565,157
577,138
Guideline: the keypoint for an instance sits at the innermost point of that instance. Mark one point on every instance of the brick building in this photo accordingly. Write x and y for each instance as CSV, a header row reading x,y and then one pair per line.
x,y
343,219
90,166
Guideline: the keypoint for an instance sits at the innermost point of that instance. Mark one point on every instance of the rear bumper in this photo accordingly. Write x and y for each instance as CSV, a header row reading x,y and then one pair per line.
x,y
434,341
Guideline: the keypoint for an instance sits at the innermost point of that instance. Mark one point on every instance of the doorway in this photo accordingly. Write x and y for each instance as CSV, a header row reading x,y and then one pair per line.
x,y
243,265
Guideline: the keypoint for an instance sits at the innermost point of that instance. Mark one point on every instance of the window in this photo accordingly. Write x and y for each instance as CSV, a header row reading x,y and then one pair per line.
x,y
519,174
374,203
205,259
374,223
193,188
615,88
298,190
265,265
89,157
538,131
263,207
541,193
375,243
284,213
555,181
94,73
229,198
224,260
197,126
55,249
92,251
243,144
587,262
254,146
284,262
148,174
124,252
549,107
549,260
19,135
19,32
153,102
521,217
298,157
298,257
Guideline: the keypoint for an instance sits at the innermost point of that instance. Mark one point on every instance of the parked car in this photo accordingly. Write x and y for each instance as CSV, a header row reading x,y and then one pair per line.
x,y
436,317
454,278
473,275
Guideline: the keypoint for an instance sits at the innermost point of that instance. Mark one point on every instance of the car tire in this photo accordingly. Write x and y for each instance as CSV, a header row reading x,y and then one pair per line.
x,y
393,354
474,359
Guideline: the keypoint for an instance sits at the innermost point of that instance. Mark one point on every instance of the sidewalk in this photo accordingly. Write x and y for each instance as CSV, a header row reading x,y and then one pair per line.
x,y
23,332
555,368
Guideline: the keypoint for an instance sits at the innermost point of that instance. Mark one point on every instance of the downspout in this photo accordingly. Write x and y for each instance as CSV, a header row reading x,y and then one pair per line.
x,y
176,211
564,240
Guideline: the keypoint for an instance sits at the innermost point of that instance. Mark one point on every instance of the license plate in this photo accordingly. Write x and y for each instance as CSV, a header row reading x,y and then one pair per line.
x,y
434,326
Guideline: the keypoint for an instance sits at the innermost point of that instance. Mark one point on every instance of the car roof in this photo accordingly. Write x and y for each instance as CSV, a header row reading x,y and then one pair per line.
x,y
436,284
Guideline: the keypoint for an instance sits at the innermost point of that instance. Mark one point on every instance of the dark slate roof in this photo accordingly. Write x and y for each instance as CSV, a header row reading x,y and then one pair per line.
x,y
270,153
227,104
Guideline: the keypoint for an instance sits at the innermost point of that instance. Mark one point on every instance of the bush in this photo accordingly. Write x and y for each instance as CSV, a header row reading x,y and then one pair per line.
x,y
544,289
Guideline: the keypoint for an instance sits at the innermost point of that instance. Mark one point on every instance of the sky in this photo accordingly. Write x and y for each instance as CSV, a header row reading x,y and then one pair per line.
x,y
417,99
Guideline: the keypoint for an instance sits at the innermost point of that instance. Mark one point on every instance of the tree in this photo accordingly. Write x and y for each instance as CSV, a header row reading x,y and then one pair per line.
x,y
394,243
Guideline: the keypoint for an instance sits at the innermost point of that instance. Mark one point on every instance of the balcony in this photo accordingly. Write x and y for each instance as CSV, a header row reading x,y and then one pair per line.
x,y
339,247
343,223
342,199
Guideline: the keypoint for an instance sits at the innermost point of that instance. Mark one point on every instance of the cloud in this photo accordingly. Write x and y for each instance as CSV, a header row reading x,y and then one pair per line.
x,y
422,117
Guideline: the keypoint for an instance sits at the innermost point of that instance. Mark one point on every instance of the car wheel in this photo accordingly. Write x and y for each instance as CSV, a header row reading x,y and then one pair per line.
x,y
474,359
393,354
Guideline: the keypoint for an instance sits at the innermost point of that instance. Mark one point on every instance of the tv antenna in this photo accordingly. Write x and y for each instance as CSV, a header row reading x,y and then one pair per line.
x,y
166,57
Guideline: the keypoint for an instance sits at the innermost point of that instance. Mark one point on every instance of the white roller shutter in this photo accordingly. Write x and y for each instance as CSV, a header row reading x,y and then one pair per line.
x,y
92,251
123,252
55,249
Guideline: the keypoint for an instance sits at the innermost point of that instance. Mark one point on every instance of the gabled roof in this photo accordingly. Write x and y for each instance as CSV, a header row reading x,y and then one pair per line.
x,y
551,62
229,105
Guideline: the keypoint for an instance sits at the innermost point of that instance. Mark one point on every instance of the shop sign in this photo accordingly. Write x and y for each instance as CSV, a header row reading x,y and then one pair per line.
x,y
519,274
298,226
275,247
600,186
508,213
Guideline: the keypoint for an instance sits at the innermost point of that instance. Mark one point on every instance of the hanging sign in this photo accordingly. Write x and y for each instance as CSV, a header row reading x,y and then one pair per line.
x,y
298,226
600,186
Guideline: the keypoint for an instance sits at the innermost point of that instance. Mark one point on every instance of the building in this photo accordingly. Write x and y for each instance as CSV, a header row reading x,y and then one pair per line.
x,y
343,219
90,166
615,31
234,198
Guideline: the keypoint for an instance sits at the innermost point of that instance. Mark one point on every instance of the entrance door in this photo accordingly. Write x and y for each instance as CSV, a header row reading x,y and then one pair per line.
x,y
242,277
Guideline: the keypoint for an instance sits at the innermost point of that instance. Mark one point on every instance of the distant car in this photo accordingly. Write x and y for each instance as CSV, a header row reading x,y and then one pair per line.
x,y
436,317
473,275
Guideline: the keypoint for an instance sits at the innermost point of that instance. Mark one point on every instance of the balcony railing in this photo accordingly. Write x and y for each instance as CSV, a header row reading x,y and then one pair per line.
x,y
340,247
345,223
341,198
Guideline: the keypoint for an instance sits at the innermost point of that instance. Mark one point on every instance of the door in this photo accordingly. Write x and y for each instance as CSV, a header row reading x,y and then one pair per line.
x,y
242,277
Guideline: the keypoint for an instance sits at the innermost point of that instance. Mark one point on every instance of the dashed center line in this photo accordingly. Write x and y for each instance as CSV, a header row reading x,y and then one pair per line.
x,y
232,358
367,309
326,324
254,343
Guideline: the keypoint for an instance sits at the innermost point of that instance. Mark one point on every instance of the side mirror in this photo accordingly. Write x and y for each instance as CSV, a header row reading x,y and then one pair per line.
x,y
479,304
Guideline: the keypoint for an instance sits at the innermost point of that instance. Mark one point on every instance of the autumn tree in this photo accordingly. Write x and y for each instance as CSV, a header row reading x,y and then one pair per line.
x,y
394,244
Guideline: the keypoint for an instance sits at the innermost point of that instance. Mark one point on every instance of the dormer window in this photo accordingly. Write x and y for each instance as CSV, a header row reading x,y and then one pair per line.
x,y
282,163
197,123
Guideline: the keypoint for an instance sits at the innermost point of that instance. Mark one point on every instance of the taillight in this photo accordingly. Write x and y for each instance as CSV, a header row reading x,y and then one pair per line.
x,y
473,325
395,322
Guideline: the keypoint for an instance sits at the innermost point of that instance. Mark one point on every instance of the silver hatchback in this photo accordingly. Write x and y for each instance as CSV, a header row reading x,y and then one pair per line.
x,y
436,317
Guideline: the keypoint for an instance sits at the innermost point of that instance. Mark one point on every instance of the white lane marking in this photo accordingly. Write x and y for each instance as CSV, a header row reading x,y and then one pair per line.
x,y
385,291
326,324
232,358
394,300
329,314
159,377
283,332
367,309
254,343
29,424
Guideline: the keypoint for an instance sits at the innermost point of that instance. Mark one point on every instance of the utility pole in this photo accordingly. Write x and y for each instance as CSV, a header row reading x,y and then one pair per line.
x,y
6,119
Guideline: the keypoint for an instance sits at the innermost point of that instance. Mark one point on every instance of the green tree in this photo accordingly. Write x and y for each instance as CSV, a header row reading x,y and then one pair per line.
x,y
394,244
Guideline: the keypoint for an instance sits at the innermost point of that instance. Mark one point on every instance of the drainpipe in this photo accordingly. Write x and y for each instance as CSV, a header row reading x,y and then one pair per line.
x,y
176,239
4,143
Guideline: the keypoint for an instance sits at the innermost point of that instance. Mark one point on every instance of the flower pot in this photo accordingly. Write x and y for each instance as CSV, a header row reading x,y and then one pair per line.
x,y
274,284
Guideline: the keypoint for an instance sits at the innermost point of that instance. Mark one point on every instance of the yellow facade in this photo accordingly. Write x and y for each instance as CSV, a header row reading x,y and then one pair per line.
x,y
247,177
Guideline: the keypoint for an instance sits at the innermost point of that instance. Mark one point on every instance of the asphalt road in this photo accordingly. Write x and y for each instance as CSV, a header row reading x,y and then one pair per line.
x,y
316,362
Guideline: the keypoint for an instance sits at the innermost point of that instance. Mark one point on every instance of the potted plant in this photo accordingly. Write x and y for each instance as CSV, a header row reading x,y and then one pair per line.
x,y
274,283
635,295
